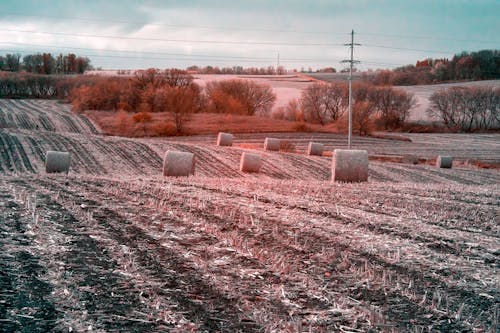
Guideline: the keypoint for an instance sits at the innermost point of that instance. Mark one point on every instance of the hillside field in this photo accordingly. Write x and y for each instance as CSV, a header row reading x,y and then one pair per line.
x,y
115,247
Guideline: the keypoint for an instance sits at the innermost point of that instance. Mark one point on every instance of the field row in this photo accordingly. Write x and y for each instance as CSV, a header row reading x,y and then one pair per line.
x,y
24,151
43,115
238,255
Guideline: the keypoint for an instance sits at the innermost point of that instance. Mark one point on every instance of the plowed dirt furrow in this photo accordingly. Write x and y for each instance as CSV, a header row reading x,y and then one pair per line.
x,y
85,287
314,245
70,124
3,120
13,154
179,282
206,163
89,124
387,218
317,167
435,241
45,123
25,298
5,153
361,255
223,227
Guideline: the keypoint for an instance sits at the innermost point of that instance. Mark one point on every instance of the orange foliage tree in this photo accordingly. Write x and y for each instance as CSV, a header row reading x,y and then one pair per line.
x,y
248,97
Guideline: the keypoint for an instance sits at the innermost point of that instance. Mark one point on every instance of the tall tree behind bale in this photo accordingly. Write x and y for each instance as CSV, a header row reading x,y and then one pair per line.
x,y
178,164
57,162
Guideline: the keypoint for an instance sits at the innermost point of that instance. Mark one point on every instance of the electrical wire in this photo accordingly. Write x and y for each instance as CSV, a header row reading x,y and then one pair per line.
x,y
276,43
425,37
212,58
155,53
176,25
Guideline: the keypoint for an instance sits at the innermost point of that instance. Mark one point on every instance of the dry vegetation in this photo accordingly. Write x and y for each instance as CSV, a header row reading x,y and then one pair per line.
x,y
115,247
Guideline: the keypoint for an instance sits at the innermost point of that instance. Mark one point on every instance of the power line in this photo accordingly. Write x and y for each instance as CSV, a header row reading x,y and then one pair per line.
x,y
174,25
157,53
211,58
232,28
425,37
172,40
201,56
406,49
184,55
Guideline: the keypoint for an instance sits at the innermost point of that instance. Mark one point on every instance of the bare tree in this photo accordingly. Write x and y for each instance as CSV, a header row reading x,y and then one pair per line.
x,y
324,102
393,105
177,78
181,102
362,117
467,109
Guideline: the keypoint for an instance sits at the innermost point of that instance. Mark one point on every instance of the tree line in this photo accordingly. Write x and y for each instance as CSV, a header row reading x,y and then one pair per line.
x,y
173,91
467,109
373,107
480,65
45,63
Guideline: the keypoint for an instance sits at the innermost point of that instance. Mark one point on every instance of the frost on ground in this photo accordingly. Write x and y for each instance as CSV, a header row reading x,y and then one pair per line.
x,y
115,247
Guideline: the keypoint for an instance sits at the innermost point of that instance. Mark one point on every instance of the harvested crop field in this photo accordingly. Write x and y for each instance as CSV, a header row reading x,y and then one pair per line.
x,y
116,247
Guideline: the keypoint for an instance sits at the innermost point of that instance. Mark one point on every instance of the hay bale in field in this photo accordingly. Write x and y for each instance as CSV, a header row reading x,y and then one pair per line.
x,y
178,163
224,139
315,148
350,165
410,159
57,161
272,144
250,162
444,162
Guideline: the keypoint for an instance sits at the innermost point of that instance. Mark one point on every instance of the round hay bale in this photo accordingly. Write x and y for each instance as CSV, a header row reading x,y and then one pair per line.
x,y
315,148
224,139
250,162
57,161
410,159
272,144
444,162
350,165
178,163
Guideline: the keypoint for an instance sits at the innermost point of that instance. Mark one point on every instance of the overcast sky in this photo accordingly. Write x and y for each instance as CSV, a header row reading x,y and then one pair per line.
x,y
129,34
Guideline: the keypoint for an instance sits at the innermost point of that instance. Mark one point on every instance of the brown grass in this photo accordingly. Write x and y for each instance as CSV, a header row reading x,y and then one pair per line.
x,y
161,124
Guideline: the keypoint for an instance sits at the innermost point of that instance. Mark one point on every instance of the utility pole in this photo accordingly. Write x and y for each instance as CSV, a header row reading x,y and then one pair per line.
x,y
351,63
278,62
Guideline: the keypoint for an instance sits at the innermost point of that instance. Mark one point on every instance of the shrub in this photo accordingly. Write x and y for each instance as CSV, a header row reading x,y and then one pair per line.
x,y
142,118
247,97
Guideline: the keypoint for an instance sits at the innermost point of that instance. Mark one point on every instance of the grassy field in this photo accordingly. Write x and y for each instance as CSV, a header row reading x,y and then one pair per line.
x,y
115,247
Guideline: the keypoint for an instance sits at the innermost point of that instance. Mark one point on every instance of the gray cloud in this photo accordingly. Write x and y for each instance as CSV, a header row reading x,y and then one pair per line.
x,y
251,21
